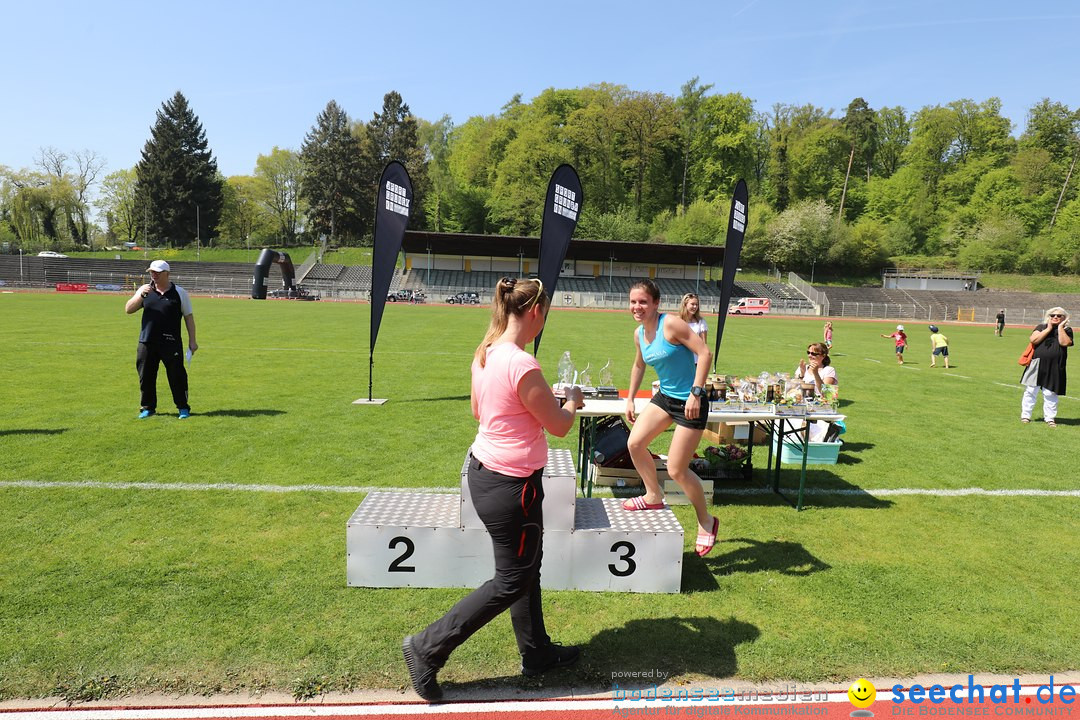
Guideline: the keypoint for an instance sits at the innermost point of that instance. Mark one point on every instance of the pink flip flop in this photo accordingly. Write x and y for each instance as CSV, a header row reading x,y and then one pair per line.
x,y
707,540
638,503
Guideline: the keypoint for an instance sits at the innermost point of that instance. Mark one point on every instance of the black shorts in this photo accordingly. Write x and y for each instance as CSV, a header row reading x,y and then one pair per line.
x,y
677,410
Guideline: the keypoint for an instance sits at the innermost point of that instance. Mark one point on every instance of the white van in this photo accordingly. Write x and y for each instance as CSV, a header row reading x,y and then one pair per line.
x,y
751,306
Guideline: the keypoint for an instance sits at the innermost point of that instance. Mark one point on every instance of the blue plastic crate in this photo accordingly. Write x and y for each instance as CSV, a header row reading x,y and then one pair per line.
x,y
818,453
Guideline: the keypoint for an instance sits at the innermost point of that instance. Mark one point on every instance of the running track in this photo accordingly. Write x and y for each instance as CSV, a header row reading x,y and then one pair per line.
x,y
834,706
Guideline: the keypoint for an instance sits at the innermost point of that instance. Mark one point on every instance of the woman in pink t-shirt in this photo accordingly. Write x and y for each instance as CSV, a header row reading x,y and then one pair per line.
x,y
514,405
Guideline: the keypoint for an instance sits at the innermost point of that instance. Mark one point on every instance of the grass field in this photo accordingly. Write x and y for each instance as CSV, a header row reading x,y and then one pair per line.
x,y
109,591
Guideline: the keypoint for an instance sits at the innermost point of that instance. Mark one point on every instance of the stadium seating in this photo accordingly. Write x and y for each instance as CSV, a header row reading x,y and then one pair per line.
x,y
355,281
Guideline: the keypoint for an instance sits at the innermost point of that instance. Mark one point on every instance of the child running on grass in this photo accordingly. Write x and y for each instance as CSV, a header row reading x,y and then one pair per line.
x,y
939,345
901,342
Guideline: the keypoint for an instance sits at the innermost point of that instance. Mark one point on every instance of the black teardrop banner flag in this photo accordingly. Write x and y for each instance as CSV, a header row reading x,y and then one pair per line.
x,y
392,205
562,208
732,249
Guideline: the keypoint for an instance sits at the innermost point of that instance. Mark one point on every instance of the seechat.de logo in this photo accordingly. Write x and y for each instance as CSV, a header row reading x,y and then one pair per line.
x,y
862,694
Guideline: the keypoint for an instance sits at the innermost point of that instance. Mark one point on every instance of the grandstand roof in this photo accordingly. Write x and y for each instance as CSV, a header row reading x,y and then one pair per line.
x,y
509,246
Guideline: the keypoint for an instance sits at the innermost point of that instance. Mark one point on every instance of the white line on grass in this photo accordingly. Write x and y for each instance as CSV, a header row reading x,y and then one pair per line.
x,y
232,487
260,349
872,360
96,485
911,368
1015,387
955,375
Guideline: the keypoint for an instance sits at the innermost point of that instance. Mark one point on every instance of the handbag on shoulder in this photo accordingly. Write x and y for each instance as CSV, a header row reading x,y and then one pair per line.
x,y
1029,353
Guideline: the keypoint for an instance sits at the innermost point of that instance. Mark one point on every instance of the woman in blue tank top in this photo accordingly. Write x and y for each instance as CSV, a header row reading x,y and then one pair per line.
x,y
667,344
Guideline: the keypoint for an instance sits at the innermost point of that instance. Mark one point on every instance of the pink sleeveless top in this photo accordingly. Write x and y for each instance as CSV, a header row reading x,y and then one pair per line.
x,y
510,440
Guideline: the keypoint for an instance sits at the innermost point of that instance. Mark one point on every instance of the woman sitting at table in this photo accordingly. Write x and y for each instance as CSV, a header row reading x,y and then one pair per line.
x,y
817,370
668,345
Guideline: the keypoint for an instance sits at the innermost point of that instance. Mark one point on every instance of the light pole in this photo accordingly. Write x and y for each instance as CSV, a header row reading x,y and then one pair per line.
x,y
21,280
610,271
198,235
697,276
813,262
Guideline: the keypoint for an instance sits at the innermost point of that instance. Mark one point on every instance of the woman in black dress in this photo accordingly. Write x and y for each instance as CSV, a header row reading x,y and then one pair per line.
x,y
1051,339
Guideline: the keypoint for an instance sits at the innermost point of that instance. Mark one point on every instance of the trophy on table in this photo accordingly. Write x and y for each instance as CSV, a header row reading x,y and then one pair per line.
x,y
606,388
584,379
567,375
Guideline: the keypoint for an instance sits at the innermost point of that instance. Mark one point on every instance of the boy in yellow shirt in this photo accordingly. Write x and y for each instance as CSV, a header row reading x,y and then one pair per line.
x,y
939,344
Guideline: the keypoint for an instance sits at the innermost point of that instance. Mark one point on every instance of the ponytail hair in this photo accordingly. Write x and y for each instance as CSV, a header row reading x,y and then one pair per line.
x,y
512,297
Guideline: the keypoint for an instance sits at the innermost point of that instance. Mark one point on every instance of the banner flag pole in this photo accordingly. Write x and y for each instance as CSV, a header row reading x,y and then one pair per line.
x,y
562,208
732,249
393,201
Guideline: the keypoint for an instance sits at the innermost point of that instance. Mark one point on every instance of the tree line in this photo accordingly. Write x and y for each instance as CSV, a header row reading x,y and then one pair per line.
x,y
943,185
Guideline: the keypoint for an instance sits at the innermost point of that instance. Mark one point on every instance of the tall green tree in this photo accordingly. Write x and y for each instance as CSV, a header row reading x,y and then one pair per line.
x,y
244,217
443,192
1053,127
116,202
648,127
280,175
77,172
859,124
335,186
533,149
787,125
689,106
394,135
38,207
724,146
592,131
893,135
178,188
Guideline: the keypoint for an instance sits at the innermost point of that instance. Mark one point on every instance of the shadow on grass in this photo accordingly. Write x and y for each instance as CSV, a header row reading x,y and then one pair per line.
x,y
1066,421
614,659
846,458
824,489
238,413
33,431
786,558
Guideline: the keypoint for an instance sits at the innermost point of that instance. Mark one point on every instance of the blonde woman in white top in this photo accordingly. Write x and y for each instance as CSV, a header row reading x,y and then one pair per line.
x,y
690,312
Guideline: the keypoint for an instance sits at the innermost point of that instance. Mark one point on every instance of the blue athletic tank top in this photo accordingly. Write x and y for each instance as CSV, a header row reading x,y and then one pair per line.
x,y
674,364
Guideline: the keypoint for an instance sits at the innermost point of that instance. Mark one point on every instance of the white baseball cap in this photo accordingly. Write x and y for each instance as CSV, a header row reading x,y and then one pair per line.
x,y
898,327
158,266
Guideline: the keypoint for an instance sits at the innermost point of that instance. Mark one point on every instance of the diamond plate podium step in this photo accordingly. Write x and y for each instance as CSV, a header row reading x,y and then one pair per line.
x,y
560,492
428,540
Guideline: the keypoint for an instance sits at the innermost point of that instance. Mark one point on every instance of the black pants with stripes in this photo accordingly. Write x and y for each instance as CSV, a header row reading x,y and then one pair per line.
x,y
146,362
510,508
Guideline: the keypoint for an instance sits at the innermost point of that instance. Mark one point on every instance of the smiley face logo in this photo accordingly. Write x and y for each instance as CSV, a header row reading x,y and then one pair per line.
x,y
862,693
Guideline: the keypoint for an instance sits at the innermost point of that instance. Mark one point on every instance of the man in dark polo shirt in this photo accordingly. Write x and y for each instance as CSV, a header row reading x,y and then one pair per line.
x,y
163,304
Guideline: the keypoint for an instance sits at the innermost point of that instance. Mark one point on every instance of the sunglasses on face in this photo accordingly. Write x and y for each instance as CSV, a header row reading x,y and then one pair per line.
x,y
1056,315
811,352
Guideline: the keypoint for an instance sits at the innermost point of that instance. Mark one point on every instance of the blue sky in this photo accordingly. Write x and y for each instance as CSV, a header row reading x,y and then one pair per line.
x,y
83,75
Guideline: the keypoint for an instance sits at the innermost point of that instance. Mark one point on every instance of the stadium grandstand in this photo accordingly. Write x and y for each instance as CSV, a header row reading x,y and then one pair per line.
x,y
596,274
